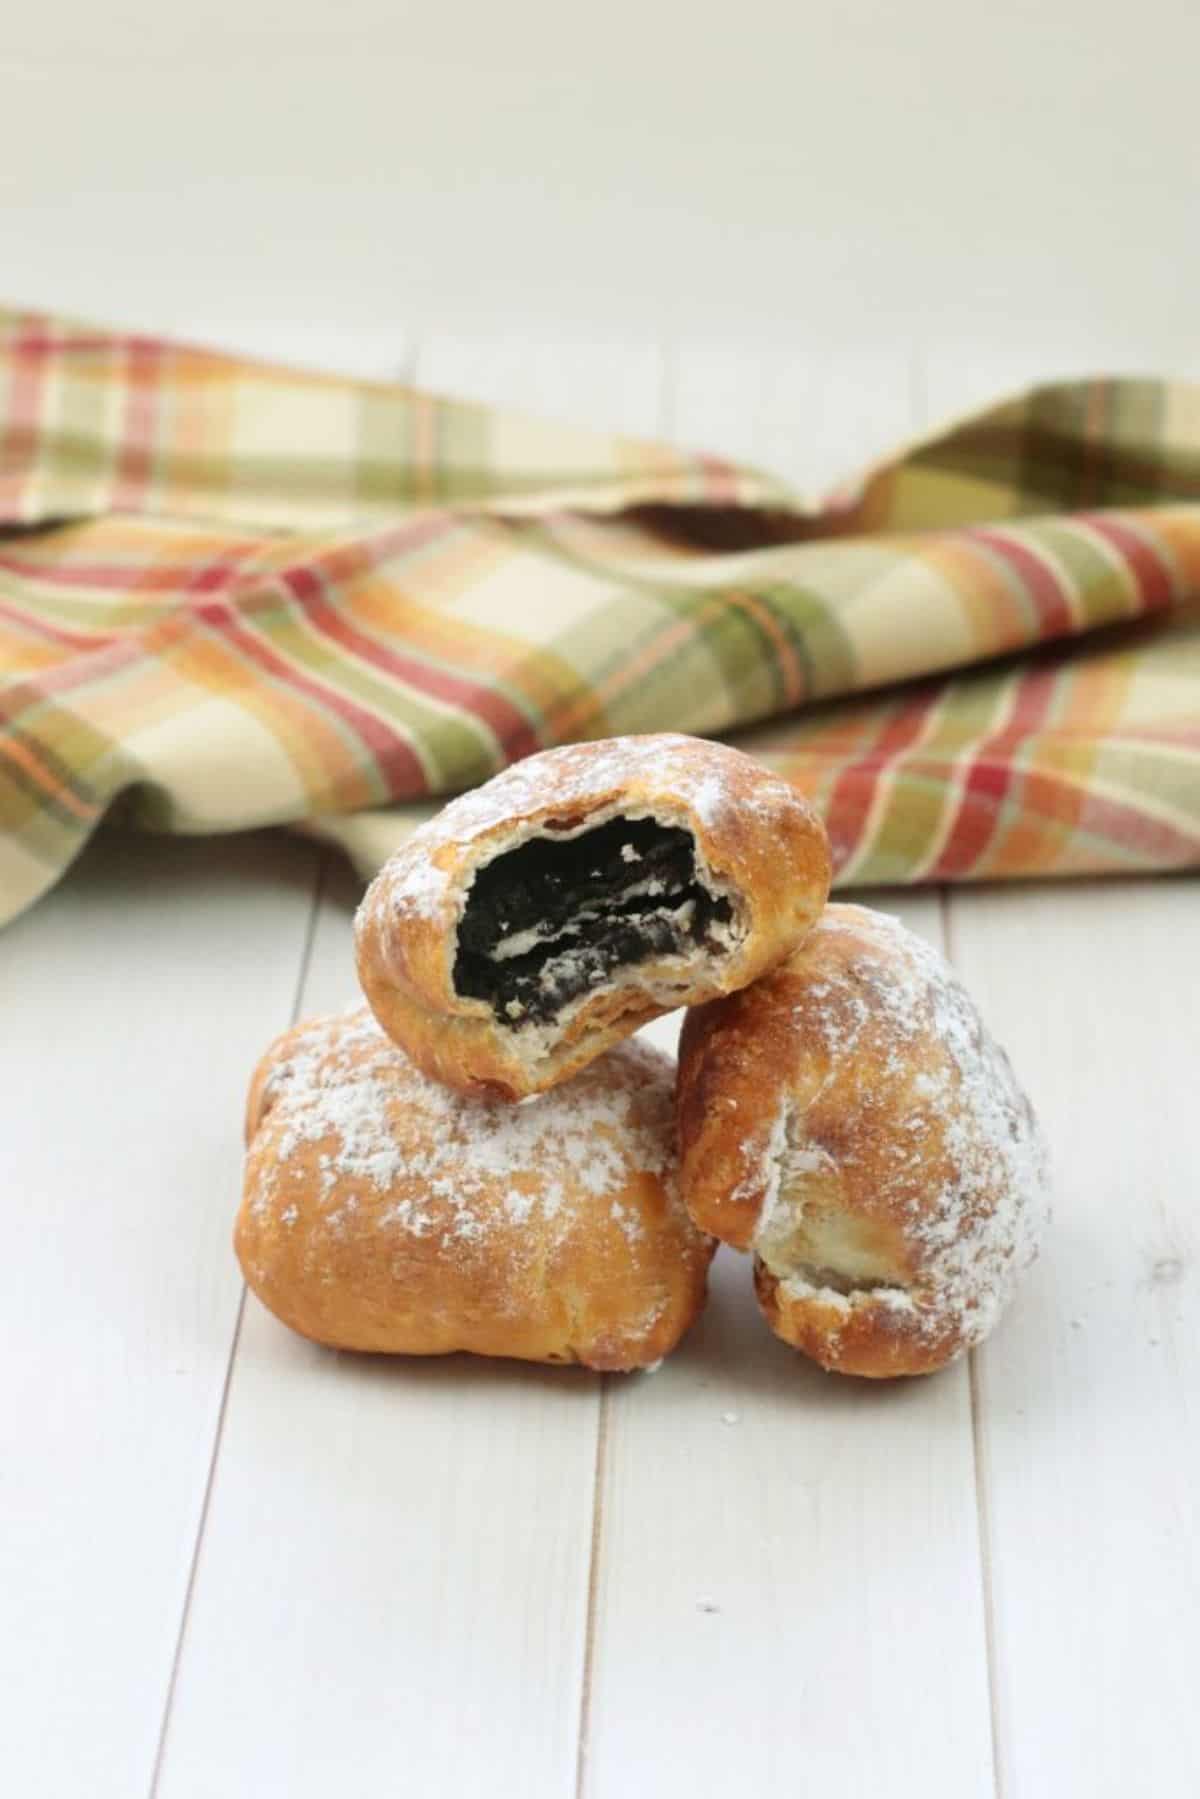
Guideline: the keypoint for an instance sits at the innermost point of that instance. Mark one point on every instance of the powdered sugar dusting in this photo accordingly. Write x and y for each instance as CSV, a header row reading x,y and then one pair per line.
x,y
430,1160
965,1112
693,772
425,886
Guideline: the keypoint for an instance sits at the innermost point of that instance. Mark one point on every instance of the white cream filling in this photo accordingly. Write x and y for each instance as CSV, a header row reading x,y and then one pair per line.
x,y
801,1230
521,942
665,982
568,960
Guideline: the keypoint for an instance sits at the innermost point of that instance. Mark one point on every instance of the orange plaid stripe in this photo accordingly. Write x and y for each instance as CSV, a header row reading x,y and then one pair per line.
x,y
239,594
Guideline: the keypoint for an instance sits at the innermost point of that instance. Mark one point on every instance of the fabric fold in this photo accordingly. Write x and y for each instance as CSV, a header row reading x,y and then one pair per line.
x,y
234,595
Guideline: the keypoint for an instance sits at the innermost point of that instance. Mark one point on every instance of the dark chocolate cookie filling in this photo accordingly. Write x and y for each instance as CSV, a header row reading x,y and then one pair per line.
x,y
554,917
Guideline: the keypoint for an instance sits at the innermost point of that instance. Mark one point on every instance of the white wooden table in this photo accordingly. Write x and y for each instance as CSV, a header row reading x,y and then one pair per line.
x,y
233,1564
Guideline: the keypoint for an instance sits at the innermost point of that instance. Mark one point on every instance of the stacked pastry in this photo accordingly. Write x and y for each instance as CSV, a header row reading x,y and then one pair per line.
x,y
480,1159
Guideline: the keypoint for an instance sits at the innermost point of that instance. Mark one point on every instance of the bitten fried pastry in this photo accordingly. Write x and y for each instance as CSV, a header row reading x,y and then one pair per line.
x,y
850,1121
383,1212
545,916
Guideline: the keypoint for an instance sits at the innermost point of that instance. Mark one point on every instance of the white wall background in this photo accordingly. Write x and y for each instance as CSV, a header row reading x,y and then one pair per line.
x,y
880,170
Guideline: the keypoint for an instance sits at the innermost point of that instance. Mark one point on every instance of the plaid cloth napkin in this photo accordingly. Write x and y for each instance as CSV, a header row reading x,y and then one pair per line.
x,y
234,595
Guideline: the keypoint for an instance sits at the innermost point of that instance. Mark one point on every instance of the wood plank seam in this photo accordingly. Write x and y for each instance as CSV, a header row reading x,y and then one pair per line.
x,y
979,1461
612,1737
664,412
984,1526
597,1550
306,949
661,424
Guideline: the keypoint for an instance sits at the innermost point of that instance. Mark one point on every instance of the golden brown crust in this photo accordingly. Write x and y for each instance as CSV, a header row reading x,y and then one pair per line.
x,y
869,1341
850,1121
381,1212
755,835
